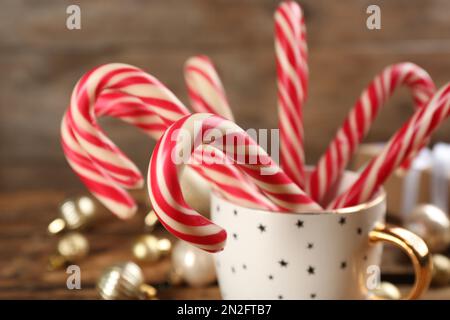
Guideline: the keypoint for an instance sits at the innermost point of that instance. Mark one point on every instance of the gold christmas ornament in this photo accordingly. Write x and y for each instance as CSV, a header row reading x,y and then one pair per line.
x,y
441,270
149,248
387,290
194,266
74,214
151,221
432,225
124,281
71,248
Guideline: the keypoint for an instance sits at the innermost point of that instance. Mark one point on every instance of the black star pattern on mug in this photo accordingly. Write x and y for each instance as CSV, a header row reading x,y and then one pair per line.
x,y
359,231
312,295
280,297
233,270
270,277
235,212
342,220
299,224
218,208
235,236
311,270
262,228
310,245
343,265
283,263
244,266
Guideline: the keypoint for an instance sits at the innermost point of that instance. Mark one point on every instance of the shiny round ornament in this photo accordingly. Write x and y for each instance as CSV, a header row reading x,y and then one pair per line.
x,y
149,248
74,214
72,247
194,266
441,270
432,225
124,281
387,290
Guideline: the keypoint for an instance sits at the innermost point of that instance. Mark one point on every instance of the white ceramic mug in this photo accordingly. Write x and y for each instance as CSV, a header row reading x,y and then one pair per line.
x,y
331,255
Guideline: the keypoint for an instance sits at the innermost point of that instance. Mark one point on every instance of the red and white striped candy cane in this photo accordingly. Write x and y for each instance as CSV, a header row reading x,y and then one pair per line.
x,y
131,110
205,88
358,122
98,162
207,94
412,135
136,97
206,129
292,70
227,179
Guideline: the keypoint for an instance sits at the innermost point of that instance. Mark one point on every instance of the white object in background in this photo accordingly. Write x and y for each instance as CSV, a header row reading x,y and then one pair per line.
x,y
327,255
440,175
193,265
411,181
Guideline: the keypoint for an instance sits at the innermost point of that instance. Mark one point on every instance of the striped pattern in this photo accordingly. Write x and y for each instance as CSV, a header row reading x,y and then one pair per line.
x,y
131,110
99,163
412,135
127,93
292,71
205,89
358,122
226,179
200,129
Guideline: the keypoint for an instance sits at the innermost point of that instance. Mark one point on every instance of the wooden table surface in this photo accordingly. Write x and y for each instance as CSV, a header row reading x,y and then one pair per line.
x,y
25,248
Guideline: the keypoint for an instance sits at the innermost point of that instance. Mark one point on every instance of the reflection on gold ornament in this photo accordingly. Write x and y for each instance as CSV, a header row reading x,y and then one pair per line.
x,y
124,281
194,266
72,247
441,270
74,214
149,248
151,221
432,225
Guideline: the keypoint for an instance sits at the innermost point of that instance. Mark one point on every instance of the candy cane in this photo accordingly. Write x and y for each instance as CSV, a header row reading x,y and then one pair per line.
x,y
361,117
227,179
292,70
130,110
414,133
205,88
203,129
103,168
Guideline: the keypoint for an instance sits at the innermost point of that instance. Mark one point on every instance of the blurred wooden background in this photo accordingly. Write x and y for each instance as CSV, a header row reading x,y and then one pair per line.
x,y
41,61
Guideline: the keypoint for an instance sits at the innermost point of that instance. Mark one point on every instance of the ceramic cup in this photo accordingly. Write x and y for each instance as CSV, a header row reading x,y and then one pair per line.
x,y
331,255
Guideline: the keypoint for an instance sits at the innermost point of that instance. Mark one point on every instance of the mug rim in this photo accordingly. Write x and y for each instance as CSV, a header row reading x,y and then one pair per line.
x,y
378,199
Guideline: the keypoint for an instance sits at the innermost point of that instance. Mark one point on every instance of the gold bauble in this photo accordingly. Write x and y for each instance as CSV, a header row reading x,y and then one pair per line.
x,y
149,248
432,225
387,290
73,246
441,270
74,214
124,281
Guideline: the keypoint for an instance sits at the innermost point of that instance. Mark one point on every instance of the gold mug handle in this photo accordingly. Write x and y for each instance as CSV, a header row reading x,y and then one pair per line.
x,y
414,247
